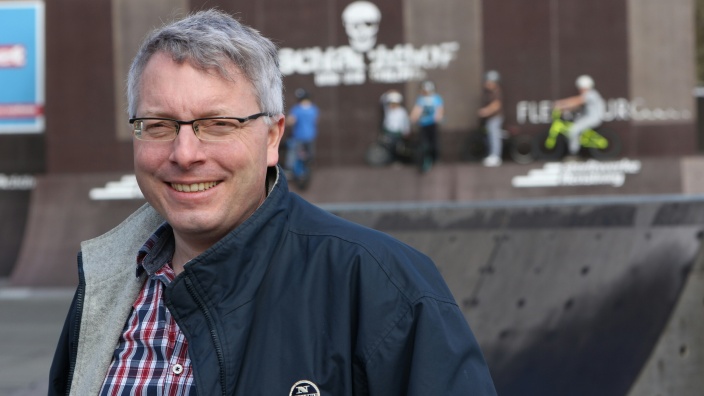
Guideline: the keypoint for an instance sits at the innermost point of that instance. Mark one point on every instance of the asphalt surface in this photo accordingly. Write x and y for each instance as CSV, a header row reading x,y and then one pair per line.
x,y
30,326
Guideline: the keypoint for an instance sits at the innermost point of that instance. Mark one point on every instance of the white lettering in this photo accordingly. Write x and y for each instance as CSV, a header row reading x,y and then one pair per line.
x,y
534,112
13,56
342,65
406,63
315,60
521,111
589,173
330,67
17,182
323,79
617,109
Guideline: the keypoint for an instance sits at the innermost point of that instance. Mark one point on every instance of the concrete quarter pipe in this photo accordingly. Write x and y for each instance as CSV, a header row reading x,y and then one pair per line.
x,y
583,297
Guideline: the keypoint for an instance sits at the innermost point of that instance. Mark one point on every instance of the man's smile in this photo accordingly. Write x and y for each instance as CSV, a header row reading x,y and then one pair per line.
x,y
194,187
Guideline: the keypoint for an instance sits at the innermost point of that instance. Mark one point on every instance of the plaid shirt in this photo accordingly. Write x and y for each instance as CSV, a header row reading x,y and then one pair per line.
x,y
151,357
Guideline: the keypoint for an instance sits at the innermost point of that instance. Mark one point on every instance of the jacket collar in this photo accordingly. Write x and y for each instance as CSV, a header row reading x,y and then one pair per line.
x,y
240,259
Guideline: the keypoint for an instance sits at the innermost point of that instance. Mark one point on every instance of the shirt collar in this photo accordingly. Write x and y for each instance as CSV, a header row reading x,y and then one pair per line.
x,y
157,251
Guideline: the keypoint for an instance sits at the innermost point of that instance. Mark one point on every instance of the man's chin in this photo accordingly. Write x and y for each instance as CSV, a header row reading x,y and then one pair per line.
x,y
193,224
192,229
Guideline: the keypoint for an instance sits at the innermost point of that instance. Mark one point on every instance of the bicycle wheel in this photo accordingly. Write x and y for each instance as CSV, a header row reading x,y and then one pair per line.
x,y
405,151
377,155
611,150
521,148
541,151
476,147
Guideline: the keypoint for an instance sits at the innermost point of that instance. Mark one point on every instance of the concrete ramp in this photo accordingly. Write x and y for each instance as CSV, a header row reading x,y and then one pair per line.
x,y
14,206
41,232
61,215
566,297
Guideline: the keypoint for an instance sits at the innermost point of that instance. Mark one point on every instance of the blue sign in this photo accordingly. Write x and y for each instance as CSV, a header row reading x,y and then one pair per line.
x,y
21,67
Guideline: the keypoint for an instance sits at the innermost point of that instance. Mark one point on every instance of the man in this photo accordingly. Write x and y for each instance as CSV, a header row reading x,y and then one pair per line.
x,y
428,112
492,115
396,125
227,284
303,121
593,109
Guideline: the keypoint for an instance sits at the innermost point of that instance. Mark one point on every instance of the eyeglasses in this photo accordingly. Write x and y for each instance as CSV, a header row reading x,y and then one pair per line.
x,y
208,128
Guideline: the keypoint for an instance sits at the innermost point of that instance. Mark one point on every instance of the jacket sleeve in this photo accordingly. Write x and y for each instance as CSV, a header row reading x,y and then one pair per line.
x,y
431,351
60,366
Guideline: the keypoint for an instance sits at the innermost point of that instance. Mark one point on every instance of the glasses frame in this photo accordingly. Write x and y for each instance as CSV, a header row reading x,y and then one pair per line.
x,y
241,120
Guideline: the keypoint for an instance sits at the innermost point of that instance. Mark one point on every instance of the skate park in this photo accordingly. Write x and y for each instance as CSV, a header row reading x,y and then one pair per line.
x,y
589,283
598,290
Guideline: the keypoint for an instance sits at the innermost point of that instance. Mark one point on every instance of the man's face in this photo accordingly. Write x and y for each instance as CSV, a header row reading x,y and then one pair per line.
x,y
229,175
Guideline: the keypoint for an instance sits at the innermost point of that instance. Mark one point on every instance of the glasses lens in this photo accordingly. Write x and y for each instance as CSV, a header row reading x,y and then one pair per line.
x,y
216,129
152,129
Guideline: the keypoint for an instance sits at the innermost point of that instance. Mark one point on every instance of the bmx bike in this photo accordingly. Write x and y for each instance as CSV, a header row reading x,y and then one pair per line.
x,y
299,167
386,149
600,142
518,146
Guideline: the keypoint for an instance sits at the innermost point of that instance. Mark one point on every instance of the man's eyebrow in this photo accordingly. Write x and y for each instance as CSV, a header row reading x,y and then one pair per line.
x,y
221,112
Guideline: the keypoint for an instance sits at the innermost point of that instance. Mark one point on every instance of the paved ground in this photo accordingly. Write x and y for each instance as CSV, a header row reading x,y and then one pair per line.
x,y
30,326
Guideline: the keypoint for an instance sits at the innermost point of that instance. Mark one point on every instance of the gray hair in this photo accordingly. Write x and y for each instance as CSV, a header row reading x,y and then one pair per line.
x,y
209,40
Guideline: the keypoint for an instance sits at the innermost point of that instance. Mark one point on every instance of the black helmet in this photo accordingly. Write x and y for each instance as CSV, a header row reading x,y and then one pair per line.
x,y
301,94
428,86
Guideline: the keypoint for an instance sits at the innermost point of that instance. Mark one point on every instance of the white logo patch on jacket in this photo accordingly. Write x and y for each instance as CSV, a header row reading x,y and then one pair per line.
x,y
304,388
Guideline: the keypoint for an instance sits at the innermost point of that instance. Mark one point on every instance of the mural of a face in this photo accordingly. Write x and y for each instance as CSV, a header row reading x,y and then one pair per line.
x,y
361,20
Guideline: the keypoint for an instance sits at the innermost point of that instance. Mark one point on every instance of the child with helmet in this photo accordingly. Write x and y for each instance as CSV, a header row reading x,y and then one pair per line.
x,y
592,114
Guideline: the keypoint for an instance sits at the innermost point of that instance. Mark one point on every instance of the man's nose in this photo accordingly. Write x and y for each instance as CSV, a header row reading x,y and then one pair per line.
x,y
186,147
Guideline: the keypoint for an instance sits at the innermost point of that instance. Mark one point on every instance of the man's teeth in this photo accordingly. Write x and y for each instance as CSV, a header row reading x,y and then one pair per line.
x,y
195,187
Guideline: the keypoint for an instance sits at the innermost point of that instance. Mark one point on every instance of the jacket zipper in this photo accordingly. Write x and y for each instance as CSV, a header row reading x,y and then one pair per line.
x,y
77,323
213,331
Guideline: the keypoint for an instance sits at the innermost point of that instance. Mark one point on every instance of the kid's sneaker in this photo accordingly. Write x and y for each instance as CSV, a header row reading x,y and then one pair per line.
x,y
492,161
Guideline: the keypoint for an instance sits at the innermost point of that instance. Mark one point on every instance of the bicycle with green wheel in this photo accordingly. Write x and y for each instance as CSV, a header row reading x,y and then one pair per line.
x,y
600,142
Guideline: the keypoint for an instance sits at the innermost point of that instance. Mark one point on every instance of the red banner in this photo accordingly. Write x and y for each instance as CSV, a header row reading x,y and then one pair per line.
x,y
21,110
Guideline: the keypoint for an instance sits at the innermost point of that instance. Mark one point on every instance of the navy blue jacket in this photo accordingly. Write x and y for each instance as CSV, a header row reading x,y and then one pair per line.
x,y
297,296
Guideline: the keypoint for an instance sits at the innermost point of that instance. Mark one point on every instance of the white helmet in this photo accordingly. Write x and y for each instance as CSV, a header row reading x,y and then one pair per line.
x,y
492,75
394,97
584,82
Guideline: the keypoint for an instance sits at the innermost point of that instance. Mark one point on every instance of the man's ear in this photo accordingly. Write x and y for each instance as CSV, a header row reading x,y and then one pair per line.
x,y
275,134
